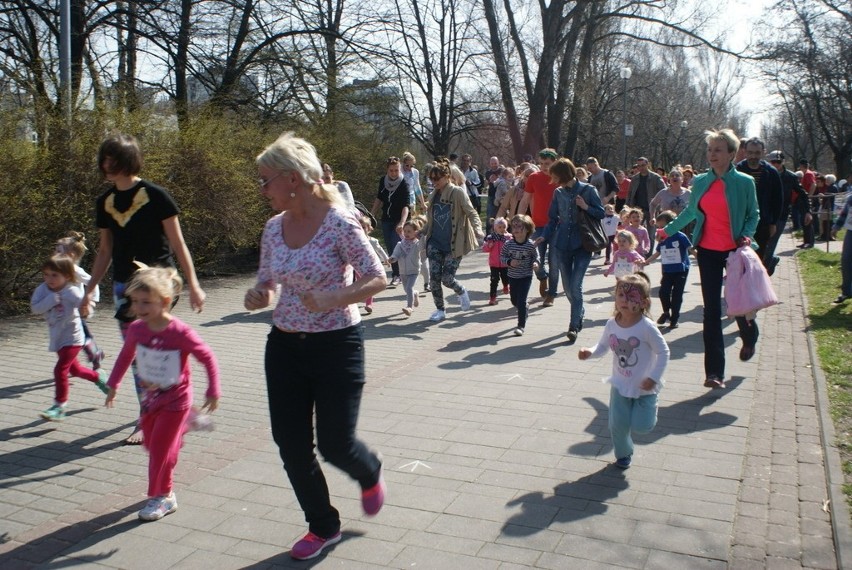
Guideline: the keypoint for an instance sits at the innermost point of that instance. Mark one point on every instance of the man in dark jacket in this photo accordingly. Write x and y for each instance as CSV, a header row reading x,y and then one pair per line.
x,y
770,196
795,200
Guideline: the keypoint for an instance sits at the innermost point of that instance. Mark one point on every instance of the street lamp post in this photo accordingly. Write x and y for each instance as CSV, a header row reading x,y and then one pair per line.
x,y
626,72
683,125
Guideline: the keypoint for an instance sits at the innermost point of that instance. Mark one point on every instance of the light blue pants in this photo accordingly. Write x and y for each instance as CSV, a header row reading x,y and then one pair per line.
x,y
627,415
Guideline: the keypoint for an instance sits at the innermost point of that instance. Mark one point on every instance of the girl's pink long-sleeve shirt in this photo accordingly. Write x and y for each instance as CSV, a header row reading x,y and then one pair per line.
x,y
176,337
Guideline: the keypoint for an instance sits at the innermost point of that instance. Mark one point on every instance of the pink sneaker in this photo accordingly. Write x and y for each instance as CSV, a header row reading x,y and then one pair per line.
x,y
373,498
311,546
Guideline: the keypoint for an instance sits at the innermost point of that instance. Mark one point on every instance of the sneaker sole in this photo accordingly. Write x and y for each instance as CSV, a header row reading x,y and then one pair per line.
x,y
50,418
152,519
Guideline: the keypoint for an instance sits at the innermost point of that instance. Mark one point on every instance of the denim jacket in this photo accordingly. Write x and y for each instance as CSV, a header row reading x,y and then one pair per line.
x,y
562,231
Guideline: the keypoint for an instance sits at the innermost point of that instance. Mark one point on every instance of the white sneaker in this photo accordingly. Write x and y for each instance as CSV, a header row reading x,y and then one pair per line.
x,y
158,507
464,301
438,316
519,331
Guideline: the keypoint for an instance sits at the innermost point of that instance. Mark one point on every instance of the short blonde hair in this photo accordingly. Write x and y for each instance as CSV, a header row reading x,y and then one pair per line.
x,y
294,154
73,245
626,235
728,136
408,156
164,282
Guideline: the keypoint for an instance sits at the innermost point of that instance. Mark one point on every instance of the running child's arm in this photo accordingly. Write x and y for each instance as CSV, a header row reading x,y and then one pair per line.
x,y
660,350
599,349
202,352
44,299
122,363
652,258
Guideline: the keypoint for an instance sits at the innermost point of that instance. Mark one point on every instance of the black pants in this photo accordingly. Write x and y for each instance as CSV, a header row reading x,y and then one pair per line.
x,y
671,293
609,241
519,290
498,275
322,371
711,266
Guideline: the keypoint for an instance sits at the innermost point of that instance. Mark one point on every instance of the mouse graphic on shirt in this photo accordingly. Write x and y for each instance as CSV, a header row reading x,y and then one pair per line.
x,y
625,350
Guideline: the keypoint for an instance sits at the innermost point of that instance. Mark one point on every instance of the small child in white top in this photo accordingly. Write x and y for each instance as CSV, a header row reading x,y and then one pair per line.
x,y
380,251
406,253
640,356
58,299
610,225
74,246
626,259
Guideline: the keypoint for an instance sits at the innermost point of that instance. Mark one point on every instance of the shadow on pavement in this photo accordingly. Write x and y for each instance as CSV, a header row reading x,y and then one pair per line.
x,y
50,454
64,542
679,418
571,501
243,317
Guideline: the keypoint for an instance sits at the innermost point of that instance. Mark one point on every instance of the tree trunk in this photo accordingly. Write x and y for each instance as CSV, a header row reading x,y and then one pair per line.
x,y
503,79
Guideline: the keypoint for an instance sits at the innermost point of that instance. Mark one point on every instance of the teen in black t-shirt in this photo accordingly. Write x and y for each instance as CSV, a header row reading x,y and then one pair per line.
x,y
137,221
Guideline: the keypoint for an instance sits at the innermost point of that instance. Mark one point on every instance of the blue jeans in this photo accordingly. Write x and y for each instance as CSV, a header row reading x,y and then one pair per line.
x,y
573,264
391,239
323,372
547,258
711,266
846,265
627,415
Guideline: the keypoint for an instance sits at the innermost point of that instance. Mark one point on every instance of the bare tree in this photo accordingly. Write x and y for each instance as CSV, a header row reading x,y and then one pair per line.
x,y
810,67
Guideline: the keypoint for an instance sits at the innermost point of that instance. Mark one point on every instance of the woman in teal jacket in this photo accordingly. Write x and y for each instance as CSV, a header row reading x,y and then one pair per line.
x,y
724,207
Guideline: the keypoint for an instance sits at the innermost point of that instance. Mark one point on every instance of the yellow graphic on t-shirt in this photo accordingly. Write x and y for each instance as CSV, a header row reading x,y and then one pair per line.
x,y
122,218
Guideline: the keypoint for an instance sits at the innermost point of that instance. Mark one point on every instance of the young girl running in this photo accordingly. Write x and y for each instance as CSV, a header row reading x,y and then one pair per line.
x,y
161,345
640,355
74,246
57,299
637,228
520,255
493,246
380,251
406,254
625,260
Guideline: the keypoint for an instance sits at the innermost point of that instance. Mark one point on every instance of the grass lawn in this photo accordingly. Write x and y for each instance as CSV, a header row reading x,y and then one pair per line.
x,y
832,327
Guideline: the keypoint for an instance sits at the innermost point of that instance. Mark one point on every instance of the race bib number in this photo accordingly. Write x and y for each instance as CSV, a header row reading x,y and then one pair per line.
x,y
670,255
160,367
623,268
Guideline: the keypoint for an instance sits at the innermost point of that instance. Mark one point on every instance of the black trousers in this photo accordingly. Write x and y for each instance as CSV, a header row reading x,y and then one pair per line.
x,y
323,372
519,290
671,293
711,267
498,275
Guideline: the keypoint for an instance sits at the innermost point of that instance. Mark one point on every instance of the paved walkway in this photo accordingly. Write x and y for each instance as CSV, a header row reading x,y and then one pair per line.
x,y
496,449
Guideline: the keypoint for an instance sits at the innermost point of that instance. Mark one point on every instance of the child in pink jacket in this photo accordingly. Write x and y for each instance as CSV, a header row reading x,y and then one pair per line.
x,y
494,246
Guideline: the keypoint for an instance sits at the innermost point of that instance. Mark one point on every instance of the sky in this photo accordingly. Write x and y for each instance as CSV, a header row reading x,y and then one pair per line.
x,y
742,15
